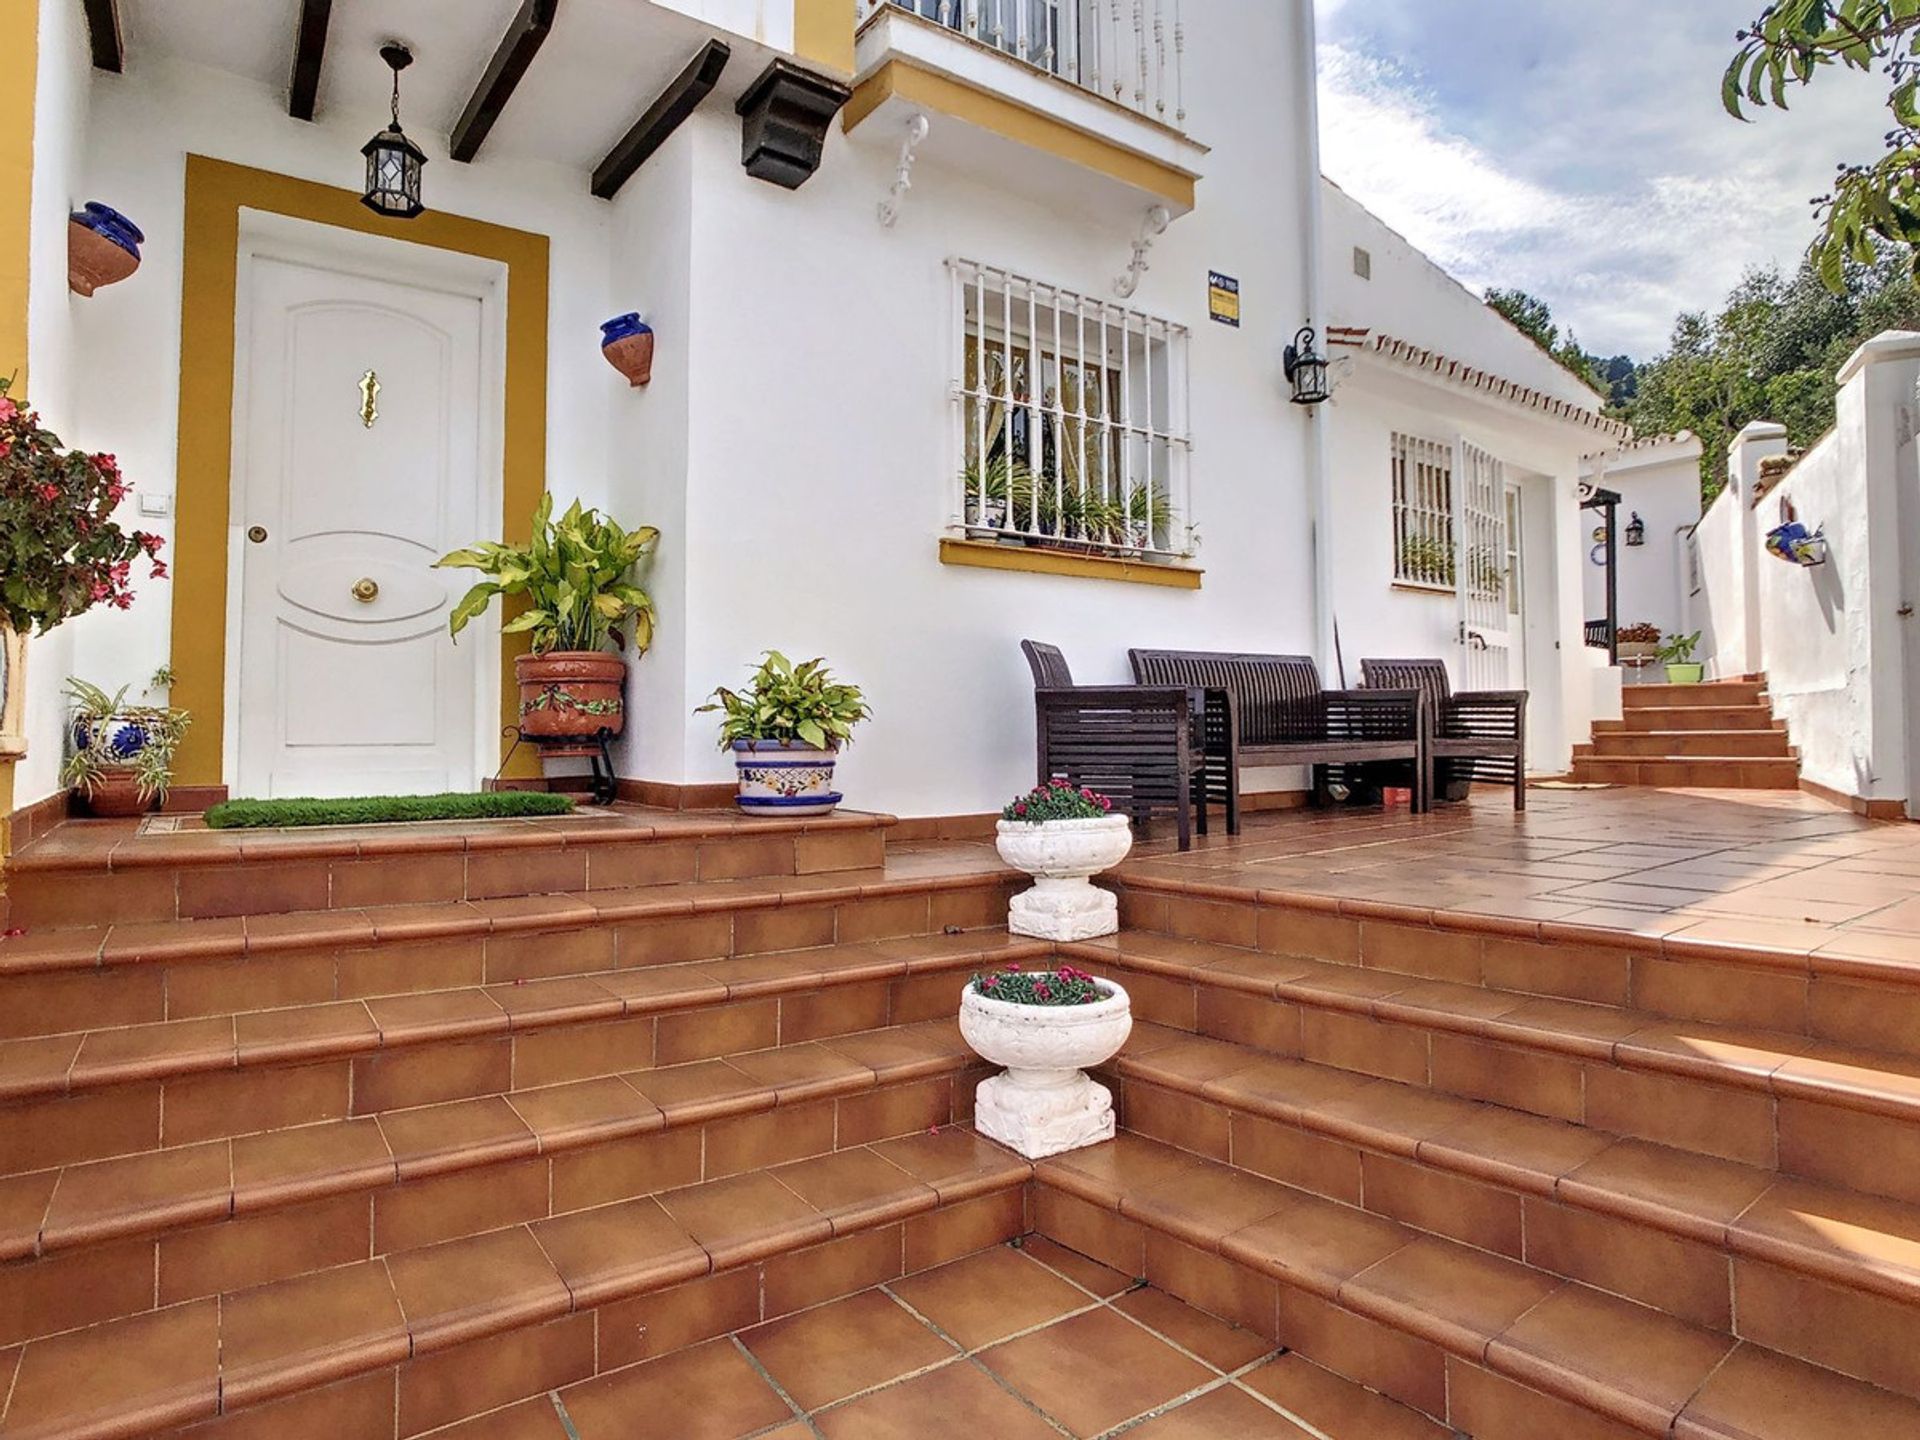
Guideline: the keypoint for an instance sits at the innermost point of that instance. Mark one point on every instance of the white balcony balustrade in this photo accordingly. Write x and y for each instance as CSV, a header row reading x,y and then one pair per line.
x,y
1129,52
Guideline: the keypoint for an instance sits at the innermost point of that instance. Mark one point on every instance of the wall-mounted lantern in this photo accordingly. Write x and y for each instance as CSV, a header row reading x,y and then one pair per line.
x,y
393,161
1636,530
1307,369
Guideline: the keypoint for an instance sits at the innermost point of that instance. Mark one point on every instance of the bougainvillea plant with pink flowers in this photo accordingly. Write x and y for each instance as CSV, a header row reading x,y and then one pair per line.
x,y
60,551
1057,800
1065,986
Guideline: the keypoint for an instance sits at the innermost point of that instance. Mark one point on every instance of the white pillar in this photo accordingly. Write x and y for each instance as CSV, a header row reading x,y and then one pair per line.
x,y
1761,440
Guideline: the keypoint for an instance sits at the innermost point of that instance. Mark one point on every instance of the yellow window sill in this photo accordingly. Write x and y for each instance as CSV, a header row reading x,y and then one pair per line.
x,y
990,555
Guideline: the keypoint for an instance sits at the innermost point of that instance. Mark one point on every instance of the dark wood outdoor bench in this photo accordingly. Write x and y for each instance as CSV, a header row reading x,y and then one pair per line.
x,y
1271,710
1478,737
1140,745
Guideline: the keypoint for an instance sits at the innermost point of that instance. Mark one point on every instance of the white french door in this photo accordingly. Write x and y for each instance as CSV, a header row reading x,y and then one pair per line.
x,y
362,445
1487,576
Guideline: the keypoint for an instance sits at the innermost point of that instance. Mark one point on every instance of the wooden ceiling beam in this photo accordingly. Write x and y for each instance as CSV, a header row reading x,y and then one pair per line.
x,y
668,111
309,52
103,35
522,42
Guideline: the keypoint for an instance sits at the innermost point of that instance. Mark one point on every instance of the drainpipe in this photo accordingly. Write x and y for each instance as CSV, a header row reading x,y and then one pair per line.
x,y
1319,481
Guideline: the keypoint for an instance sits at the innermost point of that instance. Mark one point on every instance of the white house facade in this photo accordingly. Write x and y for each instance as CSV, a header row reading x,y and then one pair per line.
x,y
1073,244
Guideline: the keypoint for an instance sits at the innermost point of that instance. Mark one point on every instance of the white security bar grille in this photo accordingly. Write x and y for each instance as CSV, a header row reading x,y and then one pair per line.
x,y
1070,419
1131,52
1423,541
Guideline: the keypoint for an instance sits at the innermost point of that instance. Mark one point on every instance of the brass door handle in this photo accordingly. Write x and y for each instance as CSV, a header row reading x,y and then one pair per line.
x,y
365,590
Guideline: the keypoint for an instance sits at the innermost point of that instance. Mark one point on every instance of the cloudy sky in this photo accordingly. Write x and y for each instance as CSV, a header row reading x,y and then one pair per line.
x,y
1578,150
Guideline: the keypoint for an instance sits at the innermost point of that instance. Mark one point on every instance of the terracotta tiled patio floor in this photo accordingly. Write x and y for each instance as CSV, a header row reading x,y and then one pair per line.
x,y
1008,1344
1763,868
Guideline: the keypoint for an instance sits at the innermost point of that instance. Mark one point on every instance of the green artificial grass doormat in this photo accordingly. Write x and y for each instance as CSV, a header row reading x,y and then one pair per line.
x,y
385,809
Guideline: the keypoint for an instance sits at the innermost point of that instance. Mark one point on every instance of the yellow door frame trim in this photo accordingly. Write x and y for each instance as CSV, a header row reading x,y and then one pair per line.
x,y
217,191
942,93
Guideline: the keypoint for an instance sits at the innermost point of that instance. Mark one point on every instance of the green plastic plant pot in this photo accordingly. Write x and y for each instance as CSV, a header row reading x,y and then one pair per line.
x,y
1678,674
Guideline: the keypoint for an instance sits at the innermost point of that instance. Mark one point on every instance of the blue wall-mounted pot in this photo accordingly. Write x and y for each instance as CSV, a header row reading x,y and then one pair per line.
x,y
103,247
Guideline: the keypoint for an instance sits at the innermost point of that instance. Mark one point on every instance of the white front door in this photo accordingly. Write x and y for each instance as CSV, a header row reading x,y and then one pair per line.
x,y
358,465
1487,631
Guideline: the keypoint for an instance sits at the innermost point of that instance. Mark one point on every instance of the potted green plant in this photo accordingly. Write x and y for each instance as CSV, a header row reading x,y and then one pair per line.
x,y
785,731
1677,655
121,755
582,609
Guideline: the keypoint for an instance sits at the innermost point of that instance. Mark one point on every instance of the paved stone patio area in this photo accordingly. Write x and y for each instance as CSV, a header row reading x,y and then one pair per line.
x,y
1776,870
1033,1343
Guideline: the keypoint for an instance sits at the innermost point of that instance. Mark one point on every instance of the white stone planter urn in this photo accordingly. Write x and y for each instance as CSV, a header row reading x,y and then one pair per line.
x,y
1045,1103
1063,856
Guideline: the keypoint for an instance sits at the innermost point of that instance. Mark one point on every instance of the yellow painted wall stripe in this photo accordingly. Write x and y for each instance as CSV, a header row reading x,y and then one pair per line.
x,y
823,33
920,86
19,82
216,193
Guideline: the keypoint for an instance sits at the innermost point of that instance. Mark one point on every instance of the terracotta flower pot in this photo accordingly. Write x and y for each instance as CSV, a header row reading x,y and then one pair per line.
x,y
103,248
627,342
115,796
570,693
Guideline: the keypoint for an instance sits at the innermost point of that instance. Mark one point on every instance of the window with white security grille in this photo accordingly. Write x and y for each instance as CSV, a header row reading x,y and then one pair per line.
x,y
1070,419
1424,549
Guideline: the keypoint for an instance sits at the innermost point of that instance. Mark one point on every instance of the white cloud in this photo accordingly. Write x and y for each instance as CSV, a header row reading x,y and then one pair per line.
x,y
1589,165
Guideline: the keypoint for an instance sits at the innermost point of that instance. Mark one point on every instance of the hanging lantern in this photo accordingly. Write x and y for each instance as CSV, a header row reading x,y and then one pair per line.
x,y
1636,530
393,161
1307,369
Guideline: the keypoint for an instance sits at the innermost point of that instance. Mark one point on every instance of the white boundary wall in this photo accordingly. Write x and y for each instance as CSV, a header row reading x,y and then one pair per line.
x,y
1829,638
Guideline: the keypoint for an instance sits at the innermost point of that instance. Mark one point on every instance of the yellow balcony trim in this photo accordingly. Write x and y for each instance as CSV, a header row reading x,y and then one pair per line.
x,y
823,33
918,85
989,555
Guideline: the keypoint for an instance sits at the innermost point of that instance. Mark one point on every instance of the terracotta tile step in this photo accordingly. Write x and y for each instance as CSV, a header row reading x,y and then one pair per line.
x,y
1763,1098
1855,986
1692,773
1692,717
1463,1335
51,900
836,840
1716,692
115,1092
1688,744
135,974
1699,1238
471,1325
112,1238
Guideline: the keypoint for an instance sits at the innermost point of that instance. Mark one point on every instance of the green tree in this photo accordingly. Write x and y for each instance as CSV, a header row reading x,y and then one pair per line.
x,y
1533,318
1770,353
1790,44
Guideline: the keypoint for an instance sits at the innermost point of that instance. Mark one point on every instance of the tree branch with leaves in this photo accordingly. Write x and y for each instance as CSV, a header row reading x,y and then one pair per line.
x,y
1788,46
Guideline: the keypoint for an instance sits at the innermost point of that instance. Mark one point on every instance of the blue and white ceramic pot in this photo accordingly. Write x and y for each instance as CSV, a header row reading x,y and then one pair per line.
x,y
627,342
783,777
103,247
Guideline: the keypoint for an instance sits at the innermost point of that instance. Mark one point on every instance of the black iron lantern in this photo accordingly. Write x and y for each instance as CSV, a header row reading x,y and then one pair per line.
x,y
393,161
1307,369
1636,530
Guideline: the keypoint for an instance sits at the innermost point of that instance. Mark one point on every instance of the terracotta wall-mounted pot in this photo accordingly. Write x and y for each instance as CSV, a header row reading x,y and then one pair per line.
x,y
571,693
627,342
103,248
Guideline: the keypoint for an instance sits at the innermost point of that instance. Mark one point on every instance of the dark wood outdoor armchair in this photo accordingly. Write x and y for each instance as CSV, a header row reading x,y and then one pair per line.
x,y
1477,736
1140,745
1271,710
